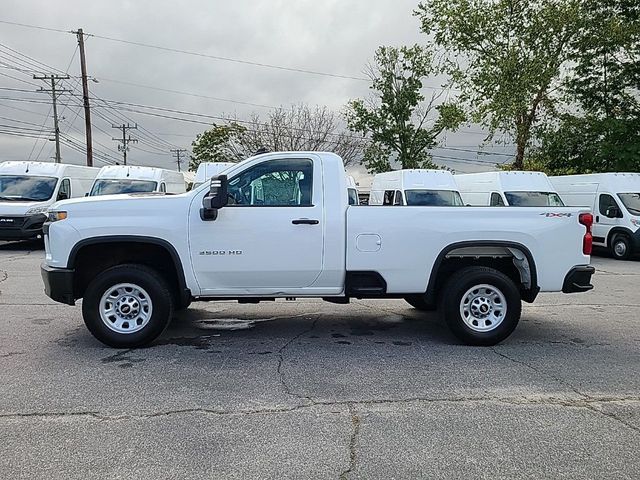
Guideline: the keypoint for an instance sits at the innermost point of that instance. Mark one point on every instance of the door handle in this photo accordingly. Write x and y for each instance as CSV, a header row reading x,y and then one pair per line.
x,y
305,221
597,219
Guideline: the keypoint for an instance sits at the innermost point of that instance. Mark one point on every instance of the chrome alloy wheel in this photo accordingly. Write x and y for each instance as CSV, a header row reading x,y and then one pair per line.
x,y
125,308
483,307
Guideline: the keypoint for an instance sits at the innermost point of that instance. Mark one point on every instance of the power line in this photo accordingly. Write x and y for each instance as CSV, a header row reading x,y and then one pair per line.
x,y
33,26
198,54
197,95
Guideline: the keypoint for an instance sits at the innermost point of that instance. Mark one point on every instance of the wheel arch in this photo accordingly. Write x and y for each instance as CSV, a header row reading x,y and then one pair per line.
x,y
183,294
521,256
617,231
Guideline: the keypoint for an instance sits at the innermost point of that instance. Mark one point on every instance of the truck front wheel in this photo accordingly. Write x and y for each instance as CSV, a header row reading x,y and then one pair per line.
x,y
481,305
127,306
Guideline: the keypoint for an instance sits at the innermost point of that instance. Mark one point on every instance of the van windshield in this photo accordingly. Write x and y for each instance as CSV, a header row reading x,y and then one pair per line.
x,y
631,202
26,188
533,199
113,187
433,198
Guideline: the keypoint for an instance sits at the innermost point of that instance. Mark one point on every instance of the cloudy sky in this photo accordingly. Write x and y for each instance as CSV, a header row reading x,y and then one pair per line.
x,y
332,37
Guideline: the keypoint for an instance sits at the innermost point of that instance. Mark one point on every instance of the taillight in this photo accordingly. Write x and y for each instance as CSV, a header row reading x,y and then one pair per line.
x,y
586,219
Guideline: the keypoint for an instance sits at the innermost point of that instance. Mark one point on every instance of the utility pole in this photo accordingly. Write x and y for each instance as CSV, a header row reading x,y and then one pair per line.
x,y
54,95
125,140
85,98
177,153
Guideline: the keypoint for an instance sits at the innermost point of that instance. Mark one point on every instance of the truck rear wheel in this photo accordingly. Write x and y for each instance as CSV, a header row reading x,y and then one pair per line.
x,y
481,305
127,306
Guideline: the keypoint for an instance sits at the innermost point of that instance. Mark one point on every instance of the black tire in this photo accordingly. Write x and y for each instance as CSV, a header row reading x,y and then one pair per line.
x,y
620,247
418,302
160,297
462,282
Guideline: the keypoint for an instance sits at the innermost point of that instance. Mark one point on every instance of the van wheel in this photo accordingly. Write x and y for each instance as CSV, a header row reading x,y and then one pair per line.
x,y
127,306
418,302
621,247
481,305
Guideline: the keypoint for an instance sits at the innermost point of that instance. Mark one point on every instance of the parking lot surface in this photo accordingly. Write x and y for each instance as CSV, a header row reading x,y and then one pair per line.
x,y
308,389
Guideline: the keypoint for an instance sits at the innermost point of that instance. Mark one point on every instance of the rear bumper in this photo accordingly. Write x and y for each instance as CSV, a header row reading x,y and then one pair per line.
x,y
22,228
578,279
58,284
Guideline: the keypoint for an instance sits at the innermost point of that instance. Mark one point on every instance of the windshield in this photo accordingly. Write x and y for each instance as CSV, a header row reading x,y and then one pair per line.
x,y
26,188
433,198
631,202
533,199
112,187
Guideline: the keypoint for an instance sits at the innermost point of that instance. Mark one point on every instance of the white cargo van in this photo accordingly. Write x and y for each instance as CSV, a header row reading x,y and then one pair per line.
x,y
114,179
512,189
435,188
206,170
615,200
27,189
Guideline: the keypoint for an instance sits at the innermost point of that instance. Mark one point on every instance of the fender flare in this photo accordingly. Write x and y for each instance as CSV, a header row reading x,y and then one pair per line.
x,y
183,290
430,293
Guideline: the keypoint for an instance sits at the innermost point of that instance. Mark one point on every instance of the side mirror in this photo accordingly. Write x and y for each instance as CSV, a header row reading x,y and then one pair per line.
x,y
63,196
215,199
613,212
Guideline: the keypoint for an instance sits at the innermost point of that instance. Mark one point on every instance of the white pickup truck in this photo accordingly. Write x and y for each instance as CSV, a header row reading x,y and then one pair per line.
x,y
278,225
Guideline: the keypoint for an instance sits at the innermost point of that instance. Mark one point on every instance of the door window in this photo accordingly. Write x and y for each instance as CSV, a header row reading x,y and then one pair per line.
x,y
606,201
496,200
65,190
388,197
397,200
274,183
163,187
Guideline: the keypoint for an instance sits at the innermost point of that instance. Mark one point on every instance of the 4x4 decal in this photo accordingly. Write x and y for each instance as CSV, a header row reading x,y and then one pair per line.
x,y
555,215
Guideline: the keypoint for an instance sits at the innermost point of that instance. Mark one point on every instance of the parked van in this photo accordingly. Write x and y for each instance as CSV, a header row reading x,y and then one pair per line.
x,y
352,190
615,201
435,188
511,189
27,189
206,170
114,179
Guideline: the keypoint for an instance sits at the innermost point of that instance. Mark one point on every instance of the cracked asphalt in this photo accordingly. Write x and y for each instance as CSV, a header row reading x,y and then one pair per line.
x,y
309,389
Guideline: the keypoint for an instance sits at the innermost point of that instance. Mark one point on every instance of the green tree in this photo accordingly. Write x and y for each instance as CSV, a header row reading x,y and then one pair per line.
x,y
507,57
399,123
600,130
218,144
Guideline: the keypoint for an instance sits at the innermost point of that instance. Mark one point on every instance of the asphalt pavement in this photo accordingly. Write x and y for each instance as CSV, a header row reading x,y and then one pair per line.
x,y
308,389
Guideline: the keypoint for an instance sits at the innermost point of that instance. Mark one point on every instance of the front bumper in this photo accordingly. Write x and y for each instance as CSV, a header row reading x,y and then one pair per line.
x,y
578,279
21,227
58,284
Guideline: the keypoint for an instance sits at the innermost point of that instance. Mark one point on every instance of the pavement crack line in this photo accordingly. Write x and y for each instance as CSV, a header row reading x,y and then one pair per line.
x,y
531,367
589,403
613,416
287,388
353,441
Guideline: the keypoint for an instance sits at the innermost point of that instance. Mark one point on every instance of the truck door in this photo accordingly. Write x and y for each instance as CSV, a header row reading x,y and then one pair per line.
x,y
270,235
603,223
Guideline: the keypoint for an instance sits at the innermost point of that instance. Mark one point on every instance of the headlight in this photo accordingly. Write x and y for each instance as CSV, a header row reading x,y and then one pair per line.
x,y
37,210
56,216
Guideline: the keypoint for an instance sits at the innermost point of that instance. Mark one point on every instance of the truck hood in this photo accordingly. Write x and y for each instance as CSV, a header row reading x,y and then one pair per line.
x,y
19,208
123,204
